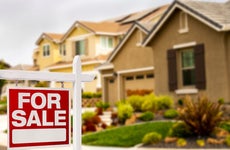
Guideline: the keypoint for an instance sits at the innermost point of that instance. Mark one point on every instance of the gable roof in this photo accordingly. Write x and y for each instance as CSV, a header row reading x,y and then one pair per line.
x,y
142,25
127,36
54,37
104,28
216,15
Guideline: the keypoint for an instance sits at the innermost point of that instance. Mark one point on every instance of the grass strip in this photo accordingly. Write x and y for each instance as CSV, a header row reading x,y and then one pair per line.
x,y
126,136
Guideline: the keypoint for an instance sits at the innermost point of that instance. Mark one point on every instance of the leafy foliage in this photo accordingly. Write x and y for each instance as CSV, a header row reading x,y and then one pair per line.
x,y
136,102
125,111
201,116
147,116
152,138
180,129
170,113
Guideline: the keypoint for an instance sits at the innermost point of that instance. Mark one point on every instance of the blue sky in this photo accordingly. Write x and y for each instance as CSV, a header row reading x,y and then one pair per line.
x,y
23,21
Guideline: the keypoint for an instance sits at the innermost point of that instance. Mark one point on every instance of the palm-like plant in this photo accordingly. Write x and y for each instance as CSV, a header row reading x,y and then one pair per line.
x,y
201,116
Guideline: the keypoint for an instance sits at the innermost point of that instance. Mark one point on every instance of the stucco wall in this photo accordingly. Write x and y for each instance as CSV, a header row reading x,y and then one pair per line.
x,y
215,55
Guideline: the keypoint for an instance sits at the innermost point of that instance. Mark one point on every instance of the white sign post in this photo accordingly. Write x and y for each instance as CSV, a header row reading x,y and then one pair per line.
x,y
76,77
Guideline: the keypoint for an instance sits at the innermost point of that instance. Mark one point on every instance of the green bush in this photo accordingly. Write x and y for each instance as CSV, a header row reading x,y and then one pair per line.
x,y
135,101
3,108
125,111
164,102
181,142
86,116
87,95
152,138
103,105
97,95
147,116
225,126
171,113
150,103
227,140
180,129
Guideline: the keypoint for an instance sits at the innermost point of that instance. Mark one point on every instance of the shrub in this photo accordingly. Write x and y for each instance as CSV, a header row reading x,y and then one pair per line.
x,y
225,126
150,103
42,84
87,95
88,115
97,95
221,100
180,129
200,142
181,142
3,108
135,101
103,105
171,113
147,116
125,111
152,138
227,140
164,102
202,116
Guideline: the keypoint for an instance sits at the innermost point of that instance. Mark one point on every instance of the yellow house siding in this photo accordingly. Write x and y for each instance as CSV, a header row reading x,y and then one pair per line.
x,y
54,56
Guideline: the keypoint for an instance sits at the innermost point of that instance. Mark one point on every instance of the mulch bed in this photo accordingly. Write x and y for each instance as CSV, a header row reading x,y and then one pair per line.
x,y
191,144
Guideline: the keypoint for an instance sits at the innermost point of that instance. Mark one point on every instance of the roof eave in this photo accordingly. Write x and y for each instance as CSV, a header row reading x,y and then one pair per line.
x,y
166,15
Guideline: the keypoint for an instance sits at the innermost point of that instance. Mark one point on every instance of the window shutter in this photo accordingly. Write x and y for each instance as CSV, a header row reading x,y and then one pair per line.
x,y
172,69
200,79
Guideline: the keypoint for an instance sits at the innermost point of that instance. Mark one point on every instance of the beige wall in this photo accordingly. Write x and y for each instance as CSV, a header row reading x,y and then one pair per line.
x,y
131,60
215,55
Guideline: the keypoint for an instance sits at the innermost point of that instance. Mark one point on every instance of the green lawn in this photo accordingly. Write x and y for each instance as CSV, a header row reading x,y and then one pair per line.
x,y
126,136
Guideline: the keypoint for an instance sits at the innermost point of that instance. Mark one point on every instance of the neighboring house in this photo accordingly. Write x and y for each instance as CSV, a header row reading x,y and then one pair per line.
x,y
191,47
130,66
48,51
93,41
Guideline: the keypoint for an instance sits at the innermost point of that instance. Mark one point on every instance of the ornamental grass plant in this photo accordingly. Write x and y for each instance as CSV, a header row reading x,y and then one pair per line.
x,y
201,116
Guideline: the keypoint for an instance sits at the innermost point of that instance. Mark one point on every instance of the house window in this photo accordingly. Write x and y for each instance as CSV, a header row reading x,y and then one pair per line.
x,y
188,67
183,22
62,49
80,47
139,77
46,50
106,42
129,78
150,76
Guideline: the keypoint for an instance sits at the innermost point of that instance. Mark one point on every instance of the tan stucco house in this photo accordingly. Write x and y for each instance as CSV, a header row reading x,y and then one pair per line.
x,y
130,66
191,50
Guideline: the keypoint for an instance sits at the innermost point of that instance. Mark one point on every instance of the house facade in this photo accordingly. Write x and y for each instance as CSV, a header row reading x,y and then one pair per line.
x,y
191,47
130,67
93,41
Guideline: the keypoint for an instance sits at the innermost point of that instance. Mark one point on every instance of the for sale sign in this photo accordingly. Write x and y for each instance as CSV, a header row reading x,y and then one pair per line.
x,y
38,117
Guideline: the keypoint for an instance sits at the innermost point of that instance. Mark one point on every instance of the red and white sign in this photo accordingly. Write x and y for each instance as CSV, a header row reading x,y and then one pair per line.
x,y
38,117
